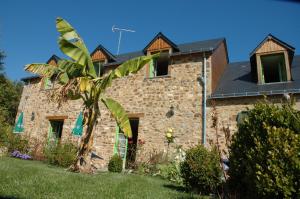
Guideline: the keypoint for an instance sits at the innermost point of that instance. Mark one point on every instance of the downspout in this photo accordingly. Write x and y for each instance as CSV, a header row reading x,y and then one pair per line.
x,y
204,101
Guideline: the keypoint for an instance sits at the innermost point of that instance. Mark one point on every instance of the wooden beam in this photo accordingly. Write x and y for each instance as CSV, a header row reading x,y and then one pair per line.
x,y
287,66
61,117
135,115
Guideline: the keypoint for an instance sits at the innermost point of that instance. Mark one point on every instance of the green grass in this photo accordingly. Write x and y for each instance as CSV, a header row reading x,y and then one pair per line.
x,y
32,179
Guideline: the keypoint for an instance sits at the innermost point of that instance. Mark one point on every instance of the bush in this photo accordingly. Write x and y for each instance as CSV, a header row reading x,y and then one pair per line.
x,y
264,155
115,164
171,172
201,170
13,141
61,154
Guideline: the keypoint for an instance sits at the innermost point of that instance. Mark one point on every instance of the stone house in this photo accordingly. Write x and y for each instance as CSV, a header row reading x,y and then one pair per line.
x,y
182,90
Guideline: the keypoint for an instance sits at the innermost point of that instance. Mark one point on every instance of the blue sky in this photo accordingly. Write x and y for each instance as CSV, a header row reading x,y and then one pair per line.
x,y
28,34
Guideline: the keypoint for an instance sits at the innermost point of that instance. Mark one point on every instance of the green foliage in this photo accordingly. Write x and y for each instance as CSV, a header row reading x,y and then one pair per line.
x,y
12,141
115,164
61,154
151,165
1,61
171,172
201,171
10,94
265,153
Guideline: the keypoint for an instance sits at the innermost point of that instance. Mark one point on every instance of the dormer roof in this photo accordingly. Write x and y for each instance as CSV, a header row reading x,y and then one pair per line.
x,y
53,60
277,41
102,53
162,42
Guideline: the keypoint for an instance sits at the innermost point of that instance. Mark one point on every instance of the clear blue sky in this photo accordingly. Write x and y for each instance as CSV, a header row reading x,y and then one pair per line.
x,y
28,34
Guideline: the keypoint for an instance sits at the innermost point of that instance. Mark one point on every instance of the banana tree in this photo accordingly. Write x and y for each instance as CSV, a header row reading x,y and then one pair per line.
x,y
76,79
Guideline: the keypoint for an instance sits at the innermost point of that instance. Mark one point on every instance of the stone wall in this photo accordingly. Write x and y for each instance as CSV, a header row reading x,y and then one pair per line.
x,y
227,110
148,98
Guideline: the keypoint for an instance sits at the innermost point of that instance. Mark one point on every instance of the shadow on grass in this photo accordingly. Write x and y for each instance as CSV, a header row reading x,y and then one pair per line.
x,y
175,187
183,190
8,197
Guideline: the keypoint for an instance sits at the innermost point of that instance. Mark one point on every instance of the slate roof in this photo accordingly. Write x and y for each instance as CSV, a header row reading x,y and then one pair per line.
x,y
236,81
185,48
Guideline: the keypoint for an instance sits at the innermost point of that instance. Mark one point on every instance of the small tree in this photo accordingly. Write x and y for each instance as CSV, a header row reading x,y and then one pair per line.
x,y
77,79
265,153
200,170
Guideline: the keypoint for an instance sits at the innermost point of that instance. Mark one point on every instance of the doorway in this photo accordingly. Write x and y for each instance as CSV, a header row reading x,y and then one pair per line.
x,y
132,142
55,130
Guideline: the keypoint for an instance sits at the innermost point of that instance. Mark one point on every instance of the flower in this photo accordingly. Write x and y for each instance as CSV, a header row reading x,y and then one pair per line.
x,y
170,130
169,135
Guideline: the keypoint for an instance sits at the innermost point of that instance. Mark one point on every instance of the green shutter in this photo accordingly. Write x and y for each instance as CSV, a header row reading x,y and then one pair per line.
x,y
19,127
50,134
151,68
77,130
98,66
116,140
121,145
47,83
262,73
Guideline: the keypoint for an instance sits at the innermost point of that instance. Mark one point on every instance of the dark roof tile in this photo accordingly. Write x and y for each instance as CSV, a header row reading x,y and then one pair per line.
x,y
237,81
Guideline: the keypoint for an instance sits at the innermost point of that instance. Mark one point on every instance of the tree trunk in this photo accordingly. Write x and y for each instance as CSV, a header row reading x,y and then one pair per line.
x,y
83,161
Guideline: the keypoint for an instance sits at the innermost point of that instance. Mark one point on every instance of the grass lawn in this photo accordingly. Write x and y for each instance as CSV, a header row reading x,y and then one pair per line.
x,y
33,179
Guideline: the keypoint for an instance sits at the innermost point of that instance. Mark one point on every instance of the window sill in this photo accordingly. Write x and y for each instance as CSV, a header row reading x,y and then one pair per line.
x,y
158,77
271,83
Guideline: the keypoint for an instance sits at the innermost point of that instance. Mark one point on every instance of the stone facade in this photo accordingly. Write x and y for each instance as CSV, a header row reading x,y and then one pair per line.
x,y
227,110
149,99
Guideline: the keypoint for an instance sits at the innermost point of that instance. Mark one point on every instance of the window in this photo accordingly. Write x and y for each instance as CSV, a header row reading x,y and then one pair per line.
x,y
273,68
48,83
99,68
159,66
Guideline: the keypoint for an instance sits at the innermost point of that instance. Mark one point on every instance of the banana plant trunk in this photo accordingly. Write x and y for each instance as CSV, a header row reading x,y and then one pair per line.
x,y
83,162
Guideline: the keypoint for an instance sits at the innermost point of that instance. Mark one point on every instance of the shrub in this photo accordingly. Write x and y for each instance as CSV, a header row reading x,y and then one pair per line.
x,y
61,154
171,172
13,141
201,170
115,164
151,165
264,155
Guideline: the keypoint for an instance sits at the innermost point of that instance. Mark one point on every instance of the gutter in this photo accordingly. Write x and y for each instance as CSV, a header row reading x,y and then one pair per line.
x,y
253,94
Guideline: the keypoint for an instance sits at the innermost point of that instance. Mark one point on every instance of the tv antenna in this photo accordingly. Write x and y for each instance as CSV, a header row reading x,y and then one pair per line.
x,y
115,29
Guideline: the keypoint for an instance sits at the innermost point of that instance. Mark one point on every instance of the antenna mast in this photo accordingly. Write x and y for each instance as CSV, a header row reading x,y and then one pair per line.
x,y
114,29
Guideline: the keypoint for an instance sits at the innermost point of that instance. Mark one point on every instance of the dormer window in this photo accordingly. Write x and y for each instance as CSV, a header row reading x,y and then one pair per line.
x,y
271,61
99,69
159,66
101,56
273,68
